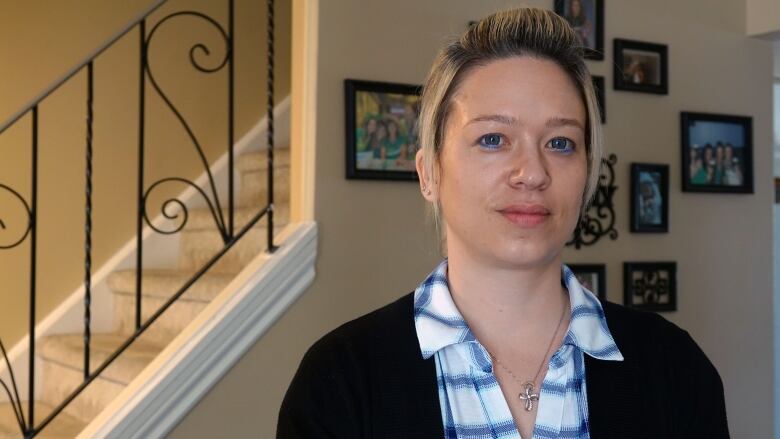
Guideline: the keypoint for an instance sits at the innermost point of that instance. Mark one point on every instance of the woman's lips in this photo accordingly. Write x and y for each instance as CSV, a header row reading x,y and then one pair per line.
x,y
526,216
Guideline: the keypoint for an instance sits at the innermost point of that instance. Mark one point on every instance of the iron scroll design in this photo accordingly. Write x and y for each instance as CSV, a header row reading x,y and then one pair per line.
x,y
12,392
214,204
599,220
28,211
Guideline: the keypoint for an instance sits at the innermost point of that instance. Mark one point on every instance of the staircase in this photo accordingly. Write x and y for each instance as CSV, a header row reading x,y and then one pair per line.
x,y
61,357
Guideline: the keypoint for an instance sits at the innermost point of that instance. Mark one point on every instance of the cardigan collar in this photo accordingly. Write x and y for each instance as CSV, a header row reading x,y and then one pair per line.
x,y
439,324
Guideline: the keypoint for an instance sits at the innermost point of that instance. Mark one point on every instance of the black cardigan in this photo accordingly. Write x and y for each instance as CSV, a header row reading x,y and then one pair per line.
x,y
367,379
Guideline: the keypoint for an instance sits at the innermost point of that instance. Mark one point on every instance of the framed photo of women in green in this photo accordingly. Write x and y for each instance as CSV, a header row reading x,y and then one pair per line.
x,y
381,130
717,153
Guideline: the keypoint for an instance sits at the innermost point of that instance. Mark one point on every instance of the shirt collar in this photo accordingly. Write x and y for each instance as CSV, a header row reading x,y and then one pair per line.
x,y
439,323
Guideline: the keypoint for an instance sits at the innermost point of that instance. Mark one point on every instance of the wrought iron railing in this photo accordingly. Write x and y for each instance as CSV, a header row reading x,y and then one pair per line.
x,y
226,226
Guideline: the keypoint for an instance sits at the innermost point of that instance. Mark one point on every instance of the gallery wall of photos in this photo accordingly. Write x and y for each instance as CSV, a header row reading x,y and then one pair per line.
x,y
716,153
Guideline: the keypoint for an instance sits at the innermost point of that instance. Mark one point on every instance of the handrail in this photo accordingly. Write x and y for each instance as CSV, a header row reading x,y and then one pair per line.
x,y
56,84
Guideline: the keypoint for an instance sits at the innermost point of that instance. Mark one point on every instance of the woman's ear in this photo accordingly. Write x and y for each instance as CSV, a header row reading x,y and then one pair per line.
x,y
426,182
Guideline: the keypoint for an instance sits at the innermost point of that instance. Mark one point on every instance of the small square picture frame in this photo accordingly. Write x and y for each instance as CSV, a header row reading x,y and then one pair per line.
x,y
593,277
649,198
650,286
641,67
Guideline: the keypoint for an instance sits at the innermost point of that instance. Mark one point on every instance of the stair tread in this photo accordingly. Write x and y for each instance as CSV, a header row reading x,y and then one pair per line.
x,y
68,350
162,283
258,160
63,426
203,218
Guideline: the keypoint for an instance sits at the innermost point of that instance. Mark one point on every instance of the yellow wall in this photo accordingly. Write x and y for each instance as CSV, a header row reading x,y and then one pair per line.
x,y
39,42
374,245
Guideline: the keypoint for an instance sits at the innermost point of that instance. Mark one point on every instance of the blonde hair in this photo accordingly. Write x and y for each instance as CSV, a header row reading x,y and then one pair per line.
x,y
530,32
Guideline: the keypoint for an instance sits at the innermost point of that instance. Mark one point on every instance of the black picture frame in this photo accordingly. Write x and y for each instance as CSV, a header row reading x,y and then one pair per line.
x,y
391,103
601,100
585,274
700,132
641,67
650,286
649,210
594,47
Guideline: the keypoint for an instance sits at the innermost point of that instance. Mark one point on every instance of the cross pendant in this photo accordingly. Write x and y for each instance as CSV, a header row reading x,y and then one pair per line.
x,y
529,396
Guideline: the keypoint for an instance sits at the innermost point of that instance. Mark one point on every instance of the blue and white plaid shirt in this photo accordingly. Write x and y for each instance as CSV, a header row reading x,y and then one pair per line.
x,y
471,401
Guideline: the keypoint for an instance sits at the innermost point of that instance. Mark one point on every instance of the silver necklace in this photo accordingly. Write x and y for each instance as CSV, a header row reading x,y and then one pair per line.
x,y
529,393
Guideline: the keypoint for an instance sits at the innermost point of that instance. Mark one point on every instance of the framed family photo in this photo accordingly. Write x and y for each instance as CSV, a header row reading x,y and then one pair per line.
x,y
587,19
641,67
593,277
649,198
381,130
650,286
717,153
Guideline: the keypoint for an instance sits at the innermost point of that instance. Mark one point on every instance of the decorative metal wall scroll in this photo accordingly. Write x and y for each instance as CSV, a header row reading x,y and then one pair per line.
x,y
599,219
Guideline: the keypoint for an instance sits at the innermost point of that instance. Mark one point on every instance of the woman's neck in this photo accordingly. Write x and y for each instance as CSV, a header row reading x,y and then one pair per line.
x,y
505,302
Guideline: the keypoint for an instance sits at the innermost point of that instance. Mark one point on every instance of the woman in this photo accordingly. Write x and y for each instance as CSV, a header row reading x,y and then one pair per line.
x,y
501,340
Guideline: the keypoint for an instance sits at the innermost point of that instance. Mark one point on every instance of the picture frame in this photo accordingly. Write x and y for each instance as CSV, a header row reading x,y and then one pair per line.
x,y
641,67
649,198
650,286
717,153
593,277
586,17
598,87
381,130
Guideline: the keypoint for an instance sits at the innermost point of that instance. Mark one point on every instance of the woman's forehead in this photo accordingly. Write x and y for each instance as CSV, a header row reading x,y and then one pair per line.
x,y
520,89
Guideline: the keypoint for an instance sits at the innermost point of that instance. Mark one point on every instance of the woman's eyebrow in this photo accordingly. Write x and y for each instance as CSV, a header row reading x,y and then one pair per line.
x,y
500,118
557,122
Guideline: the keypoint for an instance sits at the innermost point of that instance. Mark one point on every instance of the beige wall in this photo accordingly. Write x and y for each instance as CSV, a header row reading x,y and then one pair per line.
x,y
39,42
763,17
374,244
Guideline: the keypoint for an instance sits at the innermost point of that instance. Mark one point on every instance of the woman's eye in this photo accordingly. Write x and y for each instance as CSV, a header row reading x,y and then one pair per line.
x,y
491,141
562,144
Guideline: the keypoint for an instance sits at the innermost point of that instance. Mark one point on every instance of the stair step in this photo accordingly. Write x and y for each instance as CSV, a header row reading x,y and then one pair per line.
x,y
254,187
197,247
258,160
202,218
63,426
62,360
159,286
68,350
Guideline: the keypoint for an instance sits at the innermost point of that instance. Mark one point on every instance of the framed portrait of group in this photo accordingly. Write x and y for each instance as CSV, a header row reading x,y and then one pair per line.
x,y
717,153
381,130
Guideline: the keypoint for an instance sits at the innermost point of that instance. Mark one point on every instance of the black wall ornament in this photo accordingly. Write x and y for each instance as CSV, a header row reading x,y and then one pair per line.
x,y
599,220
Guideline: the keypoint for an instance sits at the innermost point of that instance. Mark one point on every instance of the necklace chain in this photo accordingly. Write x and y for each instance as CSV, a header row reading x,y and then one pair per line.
x,y
529,397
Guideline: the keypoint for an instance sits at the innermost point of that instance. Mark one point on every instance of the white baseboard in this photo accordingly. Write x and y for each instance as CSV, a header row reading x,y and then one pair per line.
x,y
176,380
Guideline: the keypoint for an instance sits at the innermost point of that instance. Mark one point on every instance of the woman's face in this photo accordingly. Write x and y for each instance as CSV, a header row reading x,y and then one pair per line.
x,y
371,126
513,163
576,8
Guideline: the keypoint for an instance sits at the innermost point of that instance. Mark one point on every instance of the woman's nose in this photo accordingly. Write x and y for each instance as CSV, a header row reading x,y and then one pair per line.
x,y
529,170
